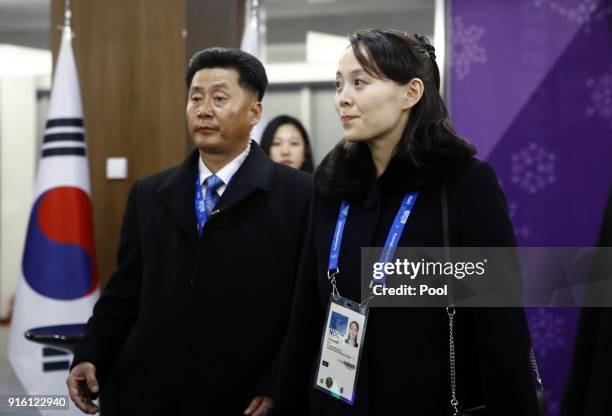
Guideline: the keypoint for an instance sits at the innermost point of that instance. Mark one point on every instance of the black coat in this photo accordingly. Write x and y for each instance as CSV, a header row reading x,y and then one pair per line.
x,y
404,363
188,326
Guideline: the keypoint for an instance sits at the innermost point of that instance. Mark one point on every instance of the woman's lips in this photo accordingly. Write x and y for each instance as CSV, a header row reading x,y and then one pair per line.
x,y
346,119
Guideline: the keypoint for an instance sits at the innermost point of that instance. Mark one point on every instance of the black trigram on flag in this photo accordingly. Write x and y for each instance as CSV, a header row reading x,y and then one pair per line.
x,y
55,360
64,136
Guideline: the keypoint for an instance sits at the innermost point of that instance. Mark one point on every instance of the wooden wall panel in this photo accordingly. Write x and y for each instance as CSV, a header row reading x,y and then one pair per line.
x,y
131,58
214,23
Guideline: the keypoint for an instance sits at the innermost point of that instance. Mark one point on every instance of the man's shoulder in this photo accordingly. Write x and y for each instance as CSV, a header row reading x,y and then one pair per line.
x,y
155,181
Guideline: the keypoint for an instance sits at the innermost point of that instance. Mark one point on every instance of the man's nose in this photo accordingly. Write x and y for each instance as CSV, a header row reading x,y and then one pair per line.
x,y
205,110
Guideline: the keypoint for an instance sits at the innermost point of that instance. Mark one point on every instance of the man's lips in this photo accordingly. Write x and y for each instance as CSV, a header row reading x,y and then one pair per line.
x,y
205,128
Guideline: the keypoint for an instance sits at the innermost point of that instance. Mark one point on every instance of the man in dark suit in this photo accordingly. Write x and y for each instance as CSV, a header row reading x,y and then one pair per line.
x,y
193,319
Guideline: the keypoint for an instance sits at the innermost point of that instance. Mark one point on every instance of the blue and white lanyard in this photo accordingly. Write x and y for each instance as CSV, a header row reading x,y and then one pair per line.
x,y
391,243
200,207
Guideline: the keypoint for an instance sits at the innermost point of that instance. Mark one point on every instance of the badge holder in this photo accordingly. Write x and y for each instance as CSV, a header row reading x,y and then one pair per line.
x,y
341,346
345,325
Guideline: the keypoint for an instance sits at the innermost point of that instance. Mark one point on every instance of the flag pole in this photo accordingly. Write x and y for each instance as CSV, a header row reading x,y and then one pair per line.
x,y
67,29
255,12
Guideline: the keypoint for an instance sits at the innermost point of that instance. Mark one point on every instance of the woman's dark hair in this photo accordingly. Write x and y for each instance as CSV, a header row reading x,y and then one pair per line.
x,y
268,137
400,57
251,73
429,147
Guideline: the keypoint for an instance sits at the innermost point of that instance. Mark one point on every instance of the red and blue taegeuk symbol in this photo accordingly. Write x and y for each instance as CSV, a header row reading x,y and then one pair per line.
x,y
59,260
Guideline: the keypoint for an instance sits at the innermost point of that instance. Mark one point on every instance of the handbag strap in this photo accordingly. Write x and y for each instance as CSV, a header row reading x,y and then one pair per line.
x,y
450,312
451,358
536,371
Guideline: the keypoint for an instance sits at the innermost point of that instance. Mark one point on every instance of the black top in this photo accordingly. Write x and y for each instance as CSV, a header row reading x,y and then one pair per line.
x,y
404,364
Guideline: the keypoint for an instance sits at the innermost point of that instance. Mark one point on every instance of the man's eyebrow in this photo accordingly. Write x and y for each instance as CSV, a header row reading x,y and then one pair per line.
x,y
215,86
220,86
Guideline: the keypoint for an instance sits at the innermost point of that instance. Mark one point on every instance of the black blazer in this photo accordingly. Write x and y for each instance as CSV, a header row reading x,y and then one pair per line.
x,y
188,326
404,364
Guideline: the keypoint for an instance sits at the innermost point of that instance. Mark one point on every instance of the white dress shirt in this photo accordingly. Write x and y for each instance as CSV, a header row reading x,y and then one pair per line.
x,y
225,173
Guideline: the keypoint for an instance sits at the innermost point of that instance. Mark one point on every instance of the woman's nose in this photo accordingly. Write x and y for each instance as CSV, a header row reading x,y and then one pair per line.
x,y
344,100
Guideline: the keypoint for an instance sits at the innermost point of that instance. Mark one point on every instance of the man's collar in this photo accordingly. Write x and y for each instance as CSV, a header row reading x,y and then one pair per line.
x,y
178,188
256,170
227,171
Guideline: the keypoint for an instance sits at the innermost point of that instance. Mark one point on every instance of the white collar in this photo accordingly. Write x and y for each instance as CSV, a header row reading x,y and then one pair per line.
x,y
226,172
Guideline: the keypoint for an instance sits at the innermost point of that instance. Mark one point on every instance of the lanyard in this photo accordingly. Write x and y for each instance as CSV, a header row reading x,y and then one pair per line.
x,y
200,208
390,244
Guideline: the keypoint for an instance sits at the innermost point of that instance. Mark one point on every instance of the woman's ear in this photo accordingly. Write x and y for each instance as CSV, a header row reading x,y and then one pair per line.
x,y
412,93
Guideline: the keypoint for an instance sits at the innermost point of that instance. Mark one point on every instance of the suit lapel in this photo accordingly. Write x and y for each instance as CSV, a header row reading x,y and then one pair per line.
x,y
255,173
177,194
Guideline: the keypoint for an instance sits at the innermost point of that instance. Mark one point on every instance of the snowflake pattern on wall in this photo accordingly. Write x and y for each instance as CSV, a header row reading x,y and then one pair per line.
x,y
553,407
466,48
512,209
519,230
581,12
522,231
546,332
600,95
533,168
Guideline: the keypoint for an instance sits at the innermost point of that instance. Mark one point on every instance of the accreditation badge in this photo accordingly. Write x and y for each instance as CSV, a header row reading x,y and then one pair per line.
x,y
341,347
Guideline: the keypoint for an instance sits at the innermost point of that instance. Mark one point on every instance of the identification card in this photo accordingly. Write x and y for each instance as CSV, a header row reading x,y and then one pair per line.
x,y
341,347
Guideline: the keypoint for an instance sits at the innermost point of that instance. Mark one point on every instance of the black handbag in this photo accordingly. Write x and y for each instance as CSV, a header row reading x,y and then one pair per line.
x,y
451,313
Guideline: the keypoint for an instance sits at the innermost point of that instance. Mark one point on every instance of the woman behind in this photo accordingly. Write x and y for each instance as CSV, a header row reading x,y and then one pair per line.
x,y
285,140
398,140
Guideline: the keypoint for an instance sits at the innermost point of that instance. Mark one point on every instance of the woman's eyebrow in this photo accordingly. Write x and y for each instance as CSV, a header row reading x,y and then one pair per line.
x,y
356,71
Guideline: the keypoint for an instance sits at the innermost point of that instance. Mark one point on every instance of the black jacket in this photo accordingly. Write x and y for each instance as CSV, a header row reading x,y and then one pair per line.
x,y
404,364
188,326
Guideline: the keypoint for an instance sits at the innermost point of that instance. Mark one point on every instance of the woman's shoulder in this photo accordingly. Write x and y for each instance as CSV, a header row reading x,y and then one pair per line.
x,y
474,174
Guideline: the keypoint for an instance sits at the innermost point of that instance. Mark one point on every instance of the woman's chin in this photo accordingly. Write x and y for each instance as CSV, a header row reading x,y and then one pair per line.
x,y
355,139
355,136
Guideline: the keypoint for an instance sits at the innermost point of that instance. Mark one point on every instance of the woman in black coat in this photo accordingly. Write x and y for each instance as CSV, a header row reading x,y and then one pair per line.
x,y
398,139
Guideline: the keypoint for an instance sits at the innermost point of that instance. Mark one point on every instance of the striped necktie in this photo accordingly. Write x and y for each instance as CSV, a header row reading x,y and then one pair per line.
x,y
212,197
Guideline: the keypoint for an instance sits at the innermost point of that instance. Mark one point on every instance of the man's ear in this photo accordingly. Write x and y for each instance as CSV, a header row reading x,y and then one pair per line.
x,y
256,111
412,92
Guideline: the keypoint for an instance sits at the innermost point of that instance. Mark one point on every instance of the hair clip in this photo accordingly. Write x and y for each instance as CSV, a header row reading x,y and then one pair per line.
x,y
431,51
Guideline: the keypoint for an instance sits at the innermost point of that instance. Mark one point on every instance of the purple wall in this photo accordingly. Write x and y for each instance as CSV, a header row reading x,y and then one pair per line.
x,y
531,87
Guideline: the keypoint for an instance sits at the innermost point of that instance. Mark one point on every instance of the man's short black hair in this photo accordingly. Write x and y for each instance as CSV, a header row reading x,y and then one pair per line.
x,y
252,75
